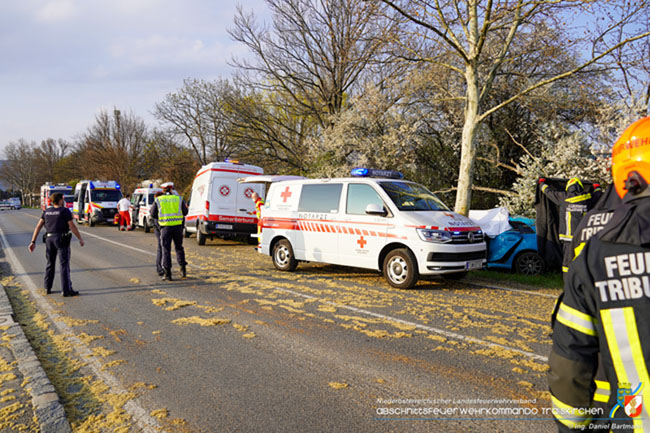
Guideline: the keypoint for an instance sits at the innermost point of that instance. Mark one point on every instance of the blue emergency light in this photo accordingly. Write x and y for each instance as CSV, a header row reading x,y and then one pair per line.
x,y
373,172
117,186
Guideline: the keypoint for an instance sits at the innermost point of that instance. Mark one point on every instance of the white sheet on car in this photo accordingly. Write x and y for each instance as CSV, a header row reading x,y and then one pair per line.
x,y
493,222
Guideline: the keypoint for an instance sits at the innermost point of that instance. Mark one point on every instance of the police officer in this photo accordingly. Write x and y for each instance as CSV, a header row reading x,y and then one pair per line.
x,y
170,209
606,307
58,223
573,204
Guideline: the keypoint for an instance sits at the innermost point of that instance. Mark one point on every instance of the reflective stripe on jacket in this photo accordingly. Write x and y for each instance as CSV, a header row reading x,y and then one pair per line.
x,y
606,311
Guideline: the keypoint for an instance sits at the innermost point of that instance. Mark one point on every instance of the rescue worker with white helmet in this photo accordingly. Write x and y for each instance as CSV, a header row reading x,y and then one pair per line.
x,y
606,307
170,210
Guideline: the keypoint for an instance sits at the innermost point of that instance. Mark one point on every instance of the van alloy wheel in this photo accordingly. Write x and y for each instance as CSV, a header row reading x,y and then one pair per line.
x,y
283,258
400,269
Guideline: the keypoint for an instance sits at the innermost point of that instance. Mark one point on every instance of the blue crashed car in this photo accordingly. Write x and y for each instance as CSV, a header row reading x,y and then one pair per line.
x,y
516,249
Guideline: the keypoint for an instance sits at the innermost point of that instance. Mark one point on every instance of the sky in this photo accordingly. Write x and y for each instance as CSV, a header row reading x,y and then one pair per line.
x,y
63,61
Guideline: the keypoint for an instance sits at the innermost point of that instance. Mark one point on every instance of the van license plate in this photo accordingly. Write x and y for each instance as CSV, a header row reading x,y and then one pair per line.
x,y
224,226
473,264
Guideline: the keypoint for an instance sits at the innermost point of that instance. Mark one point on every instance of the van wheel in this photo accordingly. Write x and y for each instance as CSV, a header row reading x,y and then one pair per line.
x,y
146,226
401,269
91,223
283,258
200,237
186,234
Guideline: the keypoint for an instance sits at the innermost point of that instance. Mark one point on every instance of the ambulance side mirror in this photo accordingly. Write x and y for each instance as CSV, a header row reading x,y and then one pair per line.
x,y
375,209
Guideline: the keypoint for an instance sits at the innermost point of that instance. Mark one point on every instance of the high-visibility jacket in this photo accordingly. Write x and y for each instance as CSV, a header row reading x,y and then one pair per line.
x,y
573,205
606,311
258,207
170,210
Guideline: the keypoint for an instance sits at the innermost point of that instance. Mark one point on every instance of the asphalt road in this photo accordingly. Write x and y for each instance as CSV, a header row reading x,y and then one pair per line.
x,y
239,346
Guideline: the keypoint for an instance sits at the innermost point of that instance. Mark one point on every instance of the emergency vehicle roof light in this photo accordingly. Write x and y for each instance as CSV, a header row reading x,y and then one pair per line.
x,y
90,184
117,186
232,161
372,172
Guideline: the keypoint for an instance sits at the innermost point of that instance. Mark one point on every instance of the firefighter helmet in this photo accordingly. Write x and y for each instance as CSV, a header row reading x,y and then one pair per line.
x,y
631,153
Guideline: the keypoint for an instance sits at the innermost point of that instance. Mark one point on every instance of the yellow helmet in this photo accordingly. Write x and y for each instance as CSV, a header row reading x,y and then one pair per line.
x,y
631,153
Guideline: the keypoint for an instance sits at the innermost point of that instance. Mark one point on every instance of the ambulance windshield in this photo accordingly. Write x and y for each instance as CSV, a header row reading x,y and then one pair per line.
x,y
412,197
100,195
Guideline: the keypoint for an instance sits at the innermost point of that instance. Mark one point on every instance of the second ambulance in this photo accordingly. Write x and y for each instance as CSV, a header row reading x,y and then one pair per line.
x,y
96,201
374,221
219,205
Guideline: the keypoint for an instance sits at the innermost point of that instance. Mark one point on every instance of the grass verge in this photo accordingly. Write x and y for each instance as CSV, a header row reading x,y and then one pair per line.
x,y
543,281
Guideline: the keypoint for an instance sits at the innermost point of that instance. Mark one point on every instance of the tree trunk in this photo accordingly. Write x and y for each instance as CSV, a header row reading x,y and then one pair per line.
x,y
468,143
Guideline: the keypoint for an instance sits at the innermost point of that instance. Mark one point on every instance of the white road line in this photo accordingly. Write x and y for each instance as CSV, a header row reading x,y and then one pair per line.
x,y
423,327
141,417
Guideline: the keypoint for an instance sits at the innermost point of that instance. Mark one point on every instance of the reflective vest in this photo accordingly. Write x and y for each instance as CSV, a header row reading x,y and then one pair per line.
x,y
170,211
258,207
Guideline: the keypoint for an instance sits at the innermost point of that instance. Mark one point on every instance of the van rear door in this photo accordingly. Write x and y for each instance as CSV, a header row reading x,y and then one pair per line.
x,y
224,199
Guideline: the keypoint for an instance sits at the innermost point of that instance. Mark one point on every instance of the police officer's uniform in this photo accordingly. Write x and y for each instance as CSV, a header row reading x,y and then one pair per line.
x,y
57,242
170,210
573,204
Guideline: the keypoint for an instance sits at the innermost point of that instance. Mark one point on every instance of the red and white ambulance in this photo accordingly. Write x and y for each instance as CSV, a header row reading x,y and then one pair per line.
x,y
219,205
381,222
96,201
141,201
48,189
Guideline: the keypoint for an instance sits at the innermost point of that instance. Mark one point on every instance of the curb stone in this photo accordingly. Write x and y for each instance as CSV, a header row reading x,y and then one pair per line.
x,y
47,407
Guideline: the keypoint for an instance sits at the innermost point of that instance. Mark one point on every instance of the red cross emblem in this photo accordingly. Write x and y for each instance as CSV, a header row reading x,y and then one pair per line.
x,y
224,190
362,242
249,192
285,195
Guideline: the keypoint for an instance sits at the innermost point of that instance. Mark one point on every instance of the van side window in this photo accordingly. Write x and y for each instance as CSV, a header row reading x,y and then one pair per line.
x,y
360,196
320,198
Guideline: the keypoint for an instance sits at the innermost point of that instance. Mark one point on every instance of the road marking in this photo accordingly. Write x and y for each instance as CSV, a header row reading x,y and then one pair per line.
x,y
141,417
448,334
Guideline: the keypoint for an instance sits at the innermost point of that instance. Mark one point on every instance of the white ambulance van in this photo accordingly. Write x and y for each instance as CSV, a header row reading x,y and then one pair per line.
x,y
48,189
219,205
96,201
141,201
374,221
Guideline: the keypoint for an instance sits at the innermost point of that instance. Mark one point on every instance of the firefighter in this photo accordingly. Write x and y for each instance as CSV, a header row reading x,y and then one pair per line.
x,y
606,306
573,203
170,210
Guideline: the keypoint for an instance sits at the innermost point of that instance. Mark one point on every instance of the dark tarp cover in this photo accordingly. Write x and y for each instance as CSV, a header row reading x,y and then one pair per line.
x,y
548,222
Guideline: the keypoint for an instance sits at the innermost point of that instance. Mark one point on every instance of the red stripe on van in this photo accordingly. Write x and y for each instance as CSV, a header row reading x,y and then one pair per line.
x,y
222,218
461,229
226,171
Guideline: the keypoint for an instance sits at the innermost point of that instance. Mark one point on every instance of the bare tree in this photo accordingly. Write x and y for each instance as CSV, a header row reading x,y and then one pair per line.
x,y
112,148
474,39
19,170
314,52
198,113
48,155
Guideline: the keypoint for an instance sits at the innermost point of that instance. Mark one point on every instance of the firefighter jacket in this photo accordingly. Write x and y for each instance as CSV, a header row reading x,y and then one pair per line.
x,y
573,204
596,219
606,311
